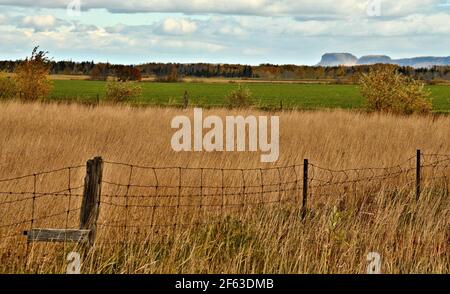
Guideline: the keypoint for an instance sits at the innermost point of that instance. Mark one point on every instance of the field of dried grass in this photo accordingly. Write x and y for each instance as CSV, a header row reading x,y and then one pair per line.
x,y
341,227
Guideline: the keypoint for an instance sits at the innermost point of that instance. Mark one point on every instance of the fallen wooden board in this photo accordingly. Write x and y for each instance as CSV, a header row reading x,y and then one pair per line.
x,y
57,235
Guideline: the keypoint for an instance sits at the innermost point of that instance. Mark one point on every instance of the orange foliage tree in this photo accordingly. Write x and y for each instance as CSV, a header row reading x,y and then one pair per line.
x,y
32,77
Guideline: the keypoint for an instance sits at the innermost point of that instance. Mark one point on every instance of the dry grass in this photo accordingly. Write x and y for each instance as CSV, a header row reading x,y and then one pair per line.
x,y
335,238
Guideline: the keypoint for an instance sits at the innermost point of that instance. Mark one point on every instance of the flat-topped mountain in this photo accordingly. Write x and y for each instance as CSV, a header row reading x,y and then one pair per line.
x,y
347,59
336,59
374,59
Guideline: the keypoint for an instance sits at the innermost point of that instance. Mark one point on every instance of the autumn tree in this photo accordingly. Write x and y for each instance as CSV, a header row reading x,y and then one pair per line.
x,y
171,76
8,88
387,90
32,77
128,73
136,75
99,72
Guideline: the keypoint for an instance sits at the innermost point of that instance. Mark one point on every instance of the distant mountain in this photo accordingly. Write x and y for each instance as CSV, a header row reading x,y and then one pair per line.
x,y
347,59
374,59
336,59
423,61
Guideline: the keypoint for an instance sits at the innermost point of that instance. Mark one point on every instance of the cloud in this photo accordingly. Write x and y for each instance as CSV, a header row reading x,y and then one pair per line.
x,y
83,28
294,8
173,26
38,22
262,30
3,19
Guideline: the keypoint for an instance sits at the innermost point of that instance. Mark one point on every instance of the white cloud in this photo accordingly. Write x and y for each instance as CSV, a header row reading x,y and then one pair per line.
x,y
238,7
264,30
172,26
38,22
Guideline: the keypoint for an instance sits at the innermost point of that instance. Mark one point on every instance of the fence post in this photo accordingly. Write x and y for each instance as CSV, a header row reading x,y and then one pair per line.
x,y
418,174
185,99
90,206
305,188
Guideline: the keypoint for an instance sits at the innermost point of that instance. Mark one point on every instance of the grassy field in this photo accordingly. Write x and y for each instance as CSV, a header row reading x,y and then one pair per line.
x,y
343,224
304,96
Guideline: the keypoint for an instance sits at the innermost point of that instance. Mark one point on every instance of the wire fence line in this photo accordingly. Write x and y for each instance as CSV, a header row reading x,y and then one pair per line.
x,y
40,199
136,200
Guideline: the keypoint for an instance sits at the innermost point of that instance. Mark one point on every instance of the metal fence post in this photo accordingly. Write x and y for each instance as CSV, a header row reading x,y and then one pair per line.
x,y
418,174
90,206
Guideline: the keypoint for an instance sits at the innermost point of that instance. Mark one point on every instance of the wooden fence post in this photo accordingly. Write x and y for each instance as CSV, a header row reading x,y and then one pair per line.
x,y
90,206
305,188
418,174
185,99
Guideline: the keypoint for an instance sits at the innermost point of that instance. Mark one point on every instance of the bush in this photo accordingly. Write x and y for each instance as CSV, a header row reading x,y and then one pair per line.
x,y
122,91
32,77
7,88
241,97
386,90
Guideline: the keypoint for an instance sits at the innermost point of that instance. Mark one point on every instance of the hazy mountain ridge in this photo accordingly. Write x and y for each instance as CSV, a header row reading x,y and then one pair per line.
x,y
347,59
336,59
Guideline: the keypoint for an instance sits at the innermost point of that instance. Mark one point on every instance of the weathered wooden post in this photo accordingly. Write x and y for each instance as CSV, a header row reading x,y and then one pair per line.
x,y
305,189
185,99
90,209
418,174
90,206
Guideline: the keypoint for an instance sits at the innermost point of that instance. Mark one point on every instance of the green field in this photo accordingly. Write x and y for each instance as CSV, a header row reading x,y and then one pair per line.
x,y
305,96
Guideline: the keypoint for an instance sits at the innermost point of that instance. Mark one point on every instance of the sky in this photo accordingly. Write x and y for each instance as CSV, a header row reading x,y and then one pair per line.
x,y
218,31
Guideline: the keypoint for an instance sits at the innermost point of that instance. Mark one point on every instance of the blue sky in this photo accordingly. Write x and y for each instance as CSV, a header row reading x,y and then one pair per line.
x,y
232,31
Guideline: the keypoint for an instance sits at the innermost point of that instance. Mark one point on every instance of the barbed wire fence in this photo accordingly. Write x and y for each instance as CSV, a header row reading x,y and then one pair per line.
x,y
122,202
24,200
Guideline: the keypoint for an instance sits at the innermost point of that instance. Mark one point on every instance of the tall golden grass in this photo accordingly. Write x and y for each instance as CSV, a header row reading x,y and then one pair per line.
x,y
338,233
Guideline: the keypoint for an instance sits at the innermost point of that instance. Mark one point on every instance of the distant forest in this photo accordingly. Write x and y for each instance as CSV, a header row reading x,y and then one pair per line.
x,y
175,71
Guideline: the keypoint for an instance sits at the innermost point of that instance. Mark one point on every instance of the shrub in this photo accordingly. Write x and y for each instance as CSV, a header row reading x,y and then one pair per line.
x,y
386,90
32,77
122,91
241,97
7,88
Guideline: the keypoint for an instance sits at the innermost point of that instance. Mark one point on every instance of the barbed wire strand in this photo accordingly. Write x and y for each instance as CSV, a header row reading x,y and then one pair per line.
x,y
223,198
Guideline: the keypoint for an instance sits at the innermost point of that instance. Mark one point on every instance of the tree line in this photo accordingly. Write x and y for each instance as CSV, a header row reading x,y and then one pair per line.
x,y
172,72
384,88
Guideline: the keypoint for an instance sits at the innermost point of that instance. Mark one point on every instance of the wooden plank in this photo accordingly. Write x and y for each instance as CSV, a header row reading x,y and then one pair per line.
x,y
57,235
91,197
